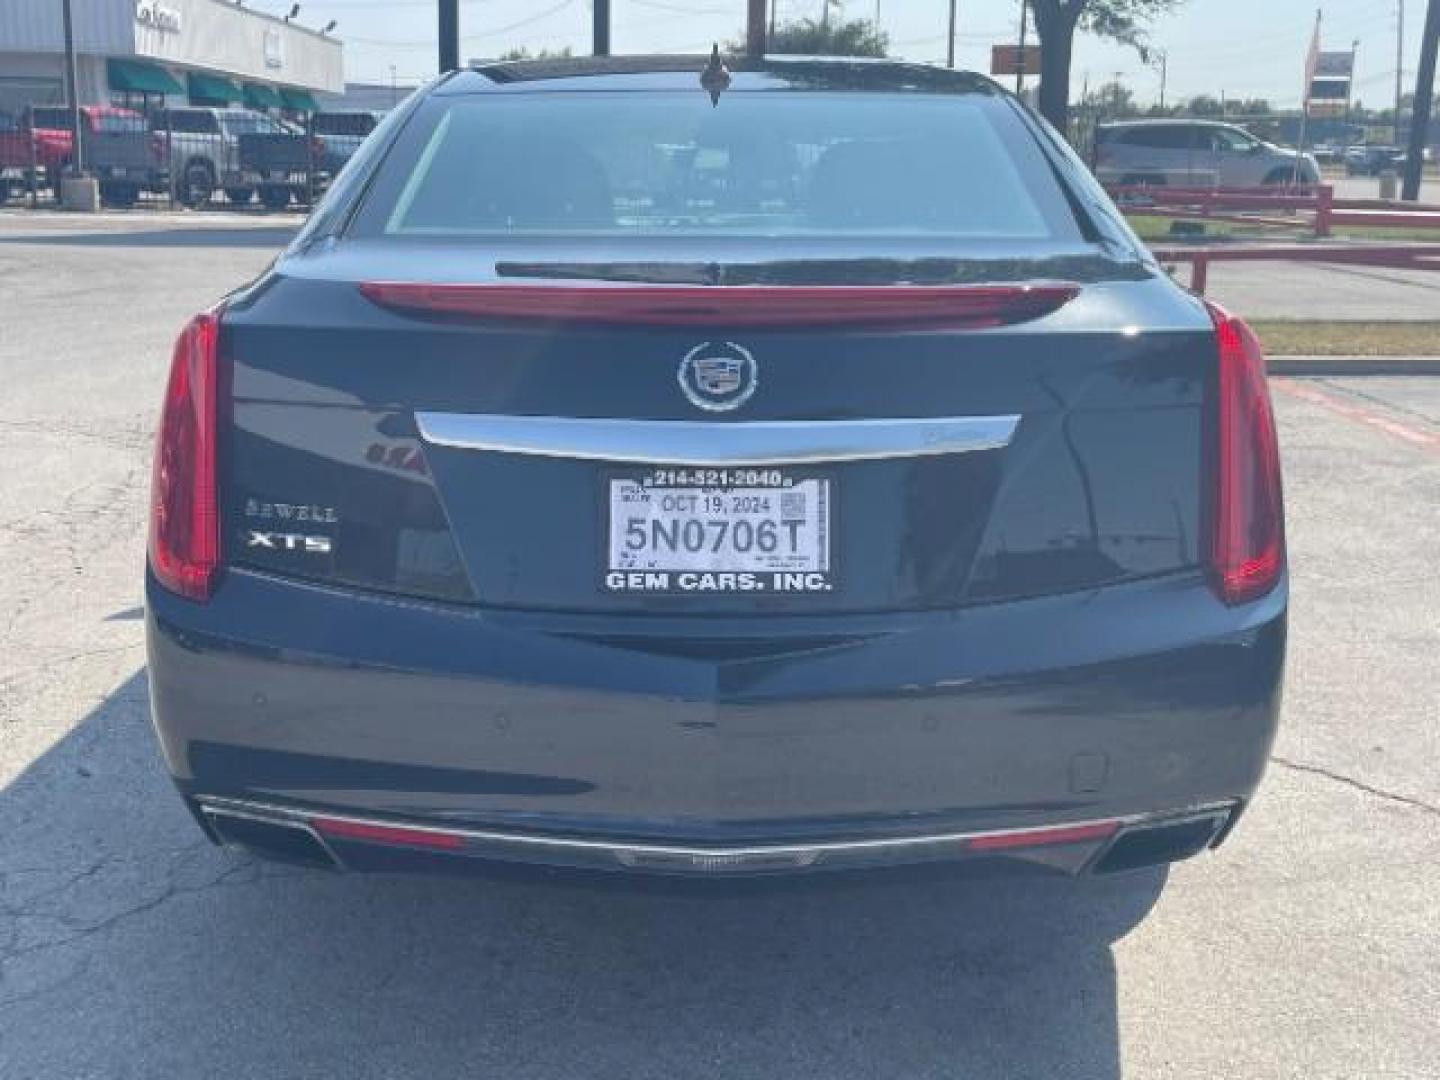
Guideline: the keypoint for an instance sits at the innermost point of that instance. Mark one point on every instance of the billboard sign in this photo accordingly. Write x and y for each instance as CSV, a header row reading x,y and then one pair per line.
x,y
1008,60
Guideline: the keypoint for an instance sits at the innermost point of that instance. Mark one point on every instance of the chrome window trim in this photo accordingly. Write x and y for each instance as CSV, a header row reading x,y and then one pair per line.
x,y
716,443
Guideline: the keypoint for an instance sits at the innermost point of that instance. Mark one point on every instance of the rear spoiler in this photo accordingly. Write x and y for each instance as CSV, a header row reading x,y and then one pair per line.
x,y
937,306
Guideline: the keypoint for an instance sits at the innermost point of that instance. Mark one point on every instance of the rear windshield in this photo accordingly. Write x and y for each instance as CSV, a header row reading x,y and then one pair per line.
x,y
760,164
50,119
256,123
342,124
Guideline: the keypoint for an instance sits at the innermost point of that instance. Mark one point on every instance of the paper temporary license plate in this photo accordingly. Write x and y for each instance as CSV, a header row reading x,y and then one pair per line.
x,y
719,531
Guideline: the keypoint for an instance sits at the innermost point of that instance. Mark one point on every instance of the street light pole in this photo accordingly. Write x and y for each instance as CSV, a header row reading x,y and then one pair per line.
x,y
1399,63
448,29
601,35
1164,75
1020,60
950,39
72,93
755,28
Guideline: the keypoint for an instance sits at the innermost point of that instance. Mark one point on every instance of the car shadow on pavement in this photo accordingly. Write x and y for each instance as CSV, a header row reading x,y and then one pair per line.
x,y
130,947
160,236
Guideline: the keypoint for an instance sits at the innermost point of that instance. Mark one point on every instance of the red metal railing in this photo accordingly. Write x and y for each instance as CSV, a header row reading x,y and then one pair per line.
x,y
1394,256
1309,210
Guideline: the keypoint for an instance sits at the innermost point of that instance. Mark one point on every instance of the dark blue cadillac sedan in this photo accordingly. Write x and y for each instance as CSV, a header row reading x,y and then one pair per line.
x,y
641,465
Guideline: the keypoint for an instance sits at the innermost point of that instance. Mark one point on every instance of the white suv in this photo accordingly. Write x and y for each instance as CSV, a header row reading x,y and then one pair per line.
x,y
1194,153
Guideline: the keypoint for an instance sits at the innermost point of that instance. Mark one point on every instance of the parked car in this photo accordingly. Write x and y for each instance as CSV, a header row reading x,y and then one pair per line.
x,y
205,152
1194,153
873,498
342,132
1373,160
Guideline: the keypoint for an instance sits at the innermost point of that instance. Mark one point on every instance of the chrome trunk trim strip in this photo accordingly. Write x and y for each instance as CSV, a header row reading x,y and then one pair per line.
x,y
711,443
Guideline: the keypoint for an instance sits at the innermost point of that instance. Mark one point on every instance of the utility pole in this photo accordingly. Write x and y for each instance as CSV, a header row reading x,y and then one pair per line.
x,y
950,39
449,34
1399,63
755,28
824,14
1020,60
72,93
1424,96
774,7
1164,75
601,35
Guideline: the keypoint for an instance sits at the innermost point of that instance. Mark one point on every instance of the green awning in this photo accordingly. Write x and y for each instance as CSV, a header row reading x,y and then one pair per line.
x,y
259,96
141,78
212,90
298,100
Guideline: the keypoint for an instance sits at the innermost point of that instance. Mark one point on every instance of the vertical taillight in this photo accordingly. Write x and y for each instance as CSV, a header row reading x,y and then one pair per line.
x,y
184,518
1247,535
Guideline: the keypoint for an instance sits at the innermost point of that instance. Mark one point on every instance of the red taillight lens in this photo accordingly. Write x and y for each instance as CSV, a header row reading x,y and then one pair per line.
x,y
184,519
1247,537
345,829
1051,834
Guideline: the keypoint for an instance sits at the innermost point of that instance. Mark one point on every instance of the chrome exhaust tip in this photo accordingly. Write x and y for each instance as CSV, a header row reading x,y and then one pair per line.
x,y
279,839
1166,840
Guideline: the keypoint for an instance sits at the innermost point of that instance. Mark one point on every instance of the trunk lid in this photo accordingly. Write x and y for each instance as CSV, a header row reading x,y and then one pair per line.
x,y
1060,452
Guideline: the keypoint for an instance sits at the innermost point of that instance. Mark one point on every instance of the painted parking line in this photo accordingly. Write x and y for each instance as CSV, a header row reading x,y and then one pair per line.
x,y
1341,407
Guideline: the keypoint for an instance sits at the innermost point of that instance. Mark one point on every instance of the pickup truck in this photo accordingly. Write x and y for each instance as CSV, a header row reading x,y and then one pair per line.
x,y
30,156
120,151
343,133
286,164
206,157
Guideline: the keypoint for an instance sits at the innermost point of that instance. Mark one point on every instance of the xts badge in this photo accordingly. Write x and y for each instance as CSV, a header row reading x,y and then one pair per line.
x,y
274,541
291,541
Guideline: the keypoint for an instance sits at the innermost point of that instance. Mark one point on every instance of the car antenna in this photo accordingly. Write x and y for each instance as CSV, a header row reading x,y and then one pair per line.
x,y
716,76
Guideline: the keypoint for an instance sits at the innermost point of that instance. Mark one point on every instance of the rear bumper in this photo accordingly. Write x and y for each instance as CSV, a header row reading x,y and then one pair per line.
x,y
693,745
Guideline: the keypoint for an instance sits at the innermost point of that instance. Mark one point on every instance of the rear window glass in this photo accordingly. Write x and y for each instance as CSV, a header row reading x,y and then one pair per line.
x,y
342,124
119,123
767,163
1160,138
255,124
187,123
58,119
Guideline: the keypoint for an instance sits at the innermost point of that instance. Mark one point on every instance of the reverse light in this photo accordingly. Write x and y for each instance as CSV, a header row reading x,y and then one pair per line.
x,y
936,306
184,517
1247,529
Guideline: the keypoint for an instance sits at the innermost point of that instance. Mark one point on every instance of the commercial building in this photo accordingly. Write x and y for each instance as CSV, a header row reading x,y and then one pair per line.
x,y
151,52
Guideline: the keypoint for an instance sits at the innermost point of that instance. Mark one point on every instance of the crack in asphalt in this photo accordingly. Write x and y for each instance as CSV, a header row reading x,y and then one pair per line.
x,y
72,930
1359,785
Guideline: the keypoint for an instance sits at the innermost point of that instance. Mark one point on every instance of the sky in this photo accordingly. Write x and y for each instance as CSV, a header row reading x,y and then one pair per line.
x,y
1243,48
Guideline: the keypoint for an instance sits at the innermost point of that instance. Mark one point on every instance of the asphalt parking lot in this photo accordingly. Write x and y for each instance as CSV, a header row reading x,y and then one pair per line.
x,y
1308,947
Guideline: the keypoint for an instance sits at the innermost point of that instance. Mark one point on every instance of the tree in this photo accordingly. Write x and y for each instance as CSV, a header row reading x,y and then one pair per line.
x,y
1115,100
522,53
1056,22
1204,105
813,37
